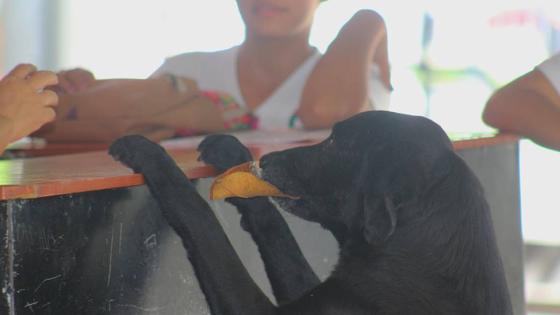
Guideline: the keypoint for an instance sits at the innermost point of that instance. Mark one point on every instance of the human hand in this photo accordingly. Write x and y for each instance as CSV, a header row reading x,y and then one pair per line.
x,y
25,104
74,80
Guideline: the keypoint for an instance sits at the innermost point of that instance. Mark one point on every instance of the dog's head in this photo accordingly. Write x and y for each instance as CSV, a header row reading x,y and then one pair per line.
x,y
363,173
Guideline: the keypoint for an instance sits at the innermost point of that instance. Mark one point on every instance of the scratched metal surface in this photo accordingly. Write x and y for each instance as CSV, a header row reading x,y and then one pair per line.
x,y
107,252
5,283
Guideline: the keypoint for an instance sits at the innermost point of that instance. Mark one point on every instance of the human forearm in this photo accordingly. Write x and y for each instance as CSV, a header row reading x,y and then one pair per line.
x,y
525,112
199,115
127,98
337,87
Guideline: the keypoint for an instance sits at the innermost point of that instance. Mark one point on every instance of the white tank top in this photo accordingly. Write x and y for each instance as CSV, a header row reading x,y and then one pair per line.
x,y
551,69
217,71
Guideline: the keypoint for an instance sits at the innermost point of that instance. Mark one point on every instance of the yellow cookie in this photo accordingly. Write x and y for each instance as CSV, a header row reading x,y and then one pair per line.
x,y
239,181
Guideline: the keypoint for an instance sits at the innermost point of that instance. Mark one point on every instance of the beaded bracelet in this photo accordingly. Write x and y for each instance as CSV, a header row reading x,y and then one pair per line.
x,y
235,116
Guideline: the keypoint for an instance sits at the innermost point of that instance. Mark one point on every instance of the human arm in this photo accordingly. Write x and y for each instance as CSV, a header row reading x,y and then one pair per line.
x,y
74,80
169,101
157,107
528,106
337,87
127,98
25,105
107,109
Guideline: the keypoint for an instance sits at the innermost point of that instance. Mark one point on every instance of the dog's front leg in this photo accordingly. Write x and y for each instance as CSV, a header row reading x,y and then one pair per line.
x,y
226,284
289,273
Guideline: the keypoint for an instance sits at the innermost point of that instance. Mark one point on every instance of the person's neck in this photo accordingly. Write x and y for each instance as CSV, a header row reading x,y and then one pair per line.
x,y
275,55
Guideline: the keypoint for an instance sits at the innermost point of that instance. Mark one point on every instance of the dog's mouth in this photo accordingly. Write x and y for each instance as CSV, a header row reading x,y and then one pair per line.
x,y
245,181
284,183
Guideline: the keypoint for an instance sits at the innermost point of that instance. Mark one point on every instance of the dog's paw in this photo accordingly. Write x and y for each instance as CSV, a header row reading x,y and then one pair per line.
x,y
223,152
136,152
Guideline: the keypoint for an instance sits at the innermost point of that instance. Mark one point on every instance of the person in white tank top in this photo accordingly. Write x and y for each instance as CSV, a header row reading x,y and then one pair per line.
x,y
217,71
278,77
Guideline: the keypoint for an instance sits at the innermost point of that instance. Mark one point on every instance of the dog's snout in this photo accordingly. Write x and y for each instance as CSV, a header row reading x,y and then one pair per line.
x,y
263,162
269,159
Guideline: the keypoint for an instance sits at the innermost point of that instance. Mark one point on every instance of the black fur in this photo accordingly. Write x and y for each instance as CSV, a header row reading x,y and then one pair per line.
x,y
410,217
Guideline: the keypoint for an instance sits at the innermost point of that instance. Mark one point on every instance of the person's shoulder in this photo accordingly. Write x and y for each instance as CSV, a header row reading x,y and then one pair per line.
x,y
197,63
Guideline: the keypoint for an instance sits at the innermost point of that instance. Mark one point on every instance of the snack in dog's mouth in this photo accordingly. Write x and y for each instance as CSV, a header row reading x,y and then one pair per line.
x,y
243,181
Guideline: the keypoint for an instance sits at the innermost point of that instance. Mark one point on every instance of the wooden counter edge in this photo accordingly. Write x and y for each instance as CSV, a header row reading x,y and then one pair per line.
x,y
55,188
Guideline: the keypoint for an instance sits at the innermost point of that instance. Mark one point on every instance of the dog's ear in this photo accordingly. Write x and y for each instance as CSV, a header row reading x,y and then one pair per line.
x,y
380,219
392,178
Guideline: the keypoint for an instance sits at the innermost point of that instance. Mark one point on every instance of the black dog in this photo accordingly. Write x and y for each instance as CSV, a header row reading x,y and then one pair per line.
x,y
410,217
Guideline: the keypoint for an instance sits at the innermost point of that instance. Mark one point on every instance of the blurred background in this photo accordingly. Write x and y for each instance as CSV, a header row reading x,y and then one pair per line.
x,y
446,56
